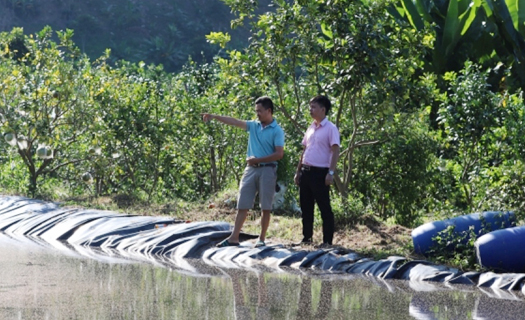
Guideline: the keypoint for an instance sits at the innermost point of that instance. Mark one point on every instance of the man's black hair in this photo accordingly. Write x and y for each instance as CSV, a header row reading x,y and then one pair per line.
x,y
266,102
323,102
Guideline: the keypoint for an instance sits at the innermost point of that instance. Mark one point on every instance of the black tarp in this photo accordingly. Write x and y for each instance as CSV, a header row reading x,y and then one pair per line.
x,y
163,240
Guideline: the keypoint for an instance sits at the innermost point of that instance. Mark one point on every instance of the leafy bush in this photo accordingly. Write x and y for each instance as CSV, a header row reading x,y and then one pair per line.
x,y
456,248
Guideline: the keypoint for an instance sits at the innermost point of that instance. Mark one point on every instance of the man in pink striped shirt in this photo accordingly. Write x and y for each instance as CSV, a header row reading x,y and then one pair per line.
x,y
316,169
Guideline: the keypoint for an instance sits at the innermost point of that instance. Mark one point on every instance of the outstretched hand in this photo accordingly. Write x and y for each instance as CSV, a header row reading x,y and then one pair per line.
x,y
206,117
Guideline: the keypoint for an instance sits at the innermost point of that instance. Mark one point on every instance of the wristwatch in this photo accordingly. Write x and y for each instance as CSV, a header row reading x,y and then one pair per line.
x,y
331,172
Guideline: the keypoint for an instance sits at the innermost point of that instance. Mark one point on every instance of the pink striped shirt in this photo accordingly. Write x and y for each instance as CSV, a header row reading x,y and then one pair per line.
x,y
318,141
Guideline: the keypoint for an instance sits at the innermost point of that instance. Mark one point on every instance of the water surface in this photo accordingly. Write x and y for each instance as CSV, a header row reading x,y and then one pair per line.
x,y
39,282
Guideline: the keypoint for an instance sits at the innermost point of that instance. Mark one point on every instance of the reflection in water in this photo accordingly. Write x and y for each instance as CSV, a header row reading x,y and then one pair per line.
x,y
243,302
265,296
464,303
305,306
36,283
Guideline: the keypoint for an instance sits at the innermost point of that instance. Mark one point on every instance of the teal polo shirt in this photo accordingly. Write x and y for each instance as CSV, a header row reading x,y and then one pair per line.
x,y
262,141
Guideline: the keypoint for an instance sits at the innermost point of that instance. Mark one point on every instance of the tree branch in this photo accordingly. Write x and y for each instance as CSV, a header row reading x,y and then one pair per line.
x,y
64,164
366,143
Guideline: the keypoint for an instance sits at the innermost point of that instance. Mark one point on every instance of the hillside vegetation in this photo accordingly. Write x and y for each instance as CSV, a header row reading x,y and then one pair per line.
x,y
163,32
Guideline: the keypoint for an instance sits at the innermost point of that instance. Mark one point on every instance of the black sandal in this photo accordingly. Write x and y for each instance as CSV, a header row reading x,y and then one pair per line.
x,y
226,243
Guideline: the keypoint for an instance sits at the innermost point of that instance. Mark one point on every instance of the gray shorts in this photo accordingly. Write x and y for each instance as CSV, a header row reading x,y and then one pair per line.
x,y
260,180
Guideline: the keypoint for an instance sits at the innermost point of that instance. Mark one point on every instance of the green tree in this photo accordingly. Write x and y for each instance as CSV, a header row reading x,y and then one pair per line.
x,y
490,33
348,50
45,106
470,115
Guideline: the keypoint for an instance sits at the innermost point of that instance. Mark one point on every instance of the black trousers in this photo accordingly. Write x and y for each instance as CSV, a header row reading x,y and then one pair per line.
x,y
312,189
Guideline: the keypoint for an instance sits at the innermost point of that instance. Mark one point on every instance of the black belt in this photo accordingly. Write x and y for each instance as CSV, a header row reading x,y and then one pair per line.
x,y
305,167
257,165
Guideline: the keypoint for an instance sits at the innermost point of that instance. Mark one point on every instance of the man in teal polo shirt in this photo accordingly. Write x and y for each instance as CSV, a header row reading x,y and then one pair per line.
x,y
265,148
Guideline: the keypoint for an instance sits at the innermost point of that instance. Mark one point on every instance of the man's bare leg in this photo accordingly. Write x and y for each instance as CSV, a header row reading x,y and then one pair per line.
x,y
239,222
265,222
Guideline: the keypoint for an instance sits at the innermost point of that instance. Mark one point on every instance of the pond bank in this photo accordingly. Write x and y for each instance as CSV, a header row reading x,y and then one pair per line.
x,y
41,282
175,241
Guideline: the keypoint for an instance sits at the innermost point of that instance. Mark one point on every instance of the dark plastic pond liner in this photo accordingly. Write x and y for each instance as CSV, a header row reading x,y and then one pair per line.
x,y
34,224
96,232
13,212
291,258
169,242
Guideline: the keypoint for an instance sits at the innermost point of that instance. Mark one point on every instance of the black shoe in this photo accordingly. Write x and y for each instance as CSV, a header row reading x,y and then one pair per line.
x,y
324,245
304,242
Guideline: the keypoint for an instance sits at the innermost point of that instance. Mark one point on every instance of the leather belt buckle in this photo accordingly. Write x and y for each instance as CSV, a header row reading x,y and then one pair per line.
x,y
260,165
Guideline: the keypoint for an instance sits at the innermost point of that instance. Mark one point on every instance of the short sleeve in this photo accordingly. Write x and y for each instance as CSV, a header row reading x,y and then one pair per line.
x,y
249,125
279,138
335,138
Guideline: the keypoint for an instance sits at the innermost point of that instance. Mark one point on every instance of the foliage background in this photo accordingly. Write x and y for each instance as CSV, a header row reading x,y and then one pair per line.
x,y
428,128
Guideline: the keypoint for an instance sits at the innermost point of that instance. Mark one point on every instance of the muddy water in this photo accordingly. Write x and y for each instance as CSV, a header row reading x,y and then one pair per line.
x,y
38,282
